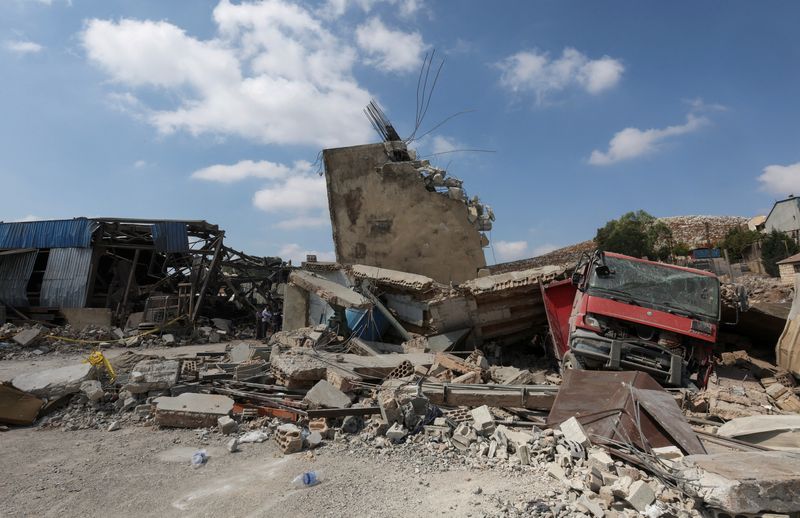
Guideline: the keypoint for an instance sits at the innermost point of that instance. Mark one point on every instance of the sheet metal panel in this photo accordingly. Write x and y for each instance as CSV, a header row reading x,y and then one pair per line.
x,y
66,278
171,236
15,271
67,233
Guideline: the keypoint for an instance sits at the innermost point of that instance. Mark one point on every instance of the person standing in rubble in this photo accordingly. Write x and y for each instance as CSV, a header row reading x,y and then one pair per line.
x,y
259,325
266,322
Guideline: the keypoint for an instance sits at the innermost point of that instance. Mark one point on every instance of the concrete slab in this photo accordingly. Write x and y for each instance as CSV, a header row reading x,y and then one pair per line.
x,y
778,432
192,410
53,383
240,352
744,482
153,374
329,291
27,336
325,395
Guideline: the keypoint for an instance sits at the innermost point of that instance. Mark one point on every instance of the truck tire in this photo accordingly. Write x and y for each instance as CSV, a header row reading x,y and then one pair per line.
x,y
570,361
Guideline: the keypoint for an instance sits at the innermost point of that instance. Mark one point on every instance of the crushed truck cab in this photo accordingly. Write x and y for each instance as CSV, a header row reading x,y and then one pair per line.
x,y
622,313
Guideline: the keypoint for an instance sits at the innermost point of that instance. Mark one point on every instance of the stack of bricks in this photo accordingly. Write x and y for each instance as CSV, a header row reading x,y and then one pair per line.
x,y
781,388
289,438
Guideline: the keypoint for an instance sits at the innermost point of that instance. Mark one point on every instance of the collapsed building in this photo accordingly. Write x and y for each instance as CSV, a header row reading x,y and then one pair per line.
x,y
103,270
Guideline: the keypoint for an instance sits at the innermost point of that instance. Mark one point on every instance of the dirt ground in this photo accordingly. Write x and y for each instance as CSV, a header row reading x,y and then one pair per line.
x,y
143,471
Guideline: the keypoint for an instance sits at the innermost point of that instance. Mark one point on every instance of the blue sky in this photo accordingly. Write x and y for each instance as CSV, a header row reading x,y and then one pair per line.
x,y
217,110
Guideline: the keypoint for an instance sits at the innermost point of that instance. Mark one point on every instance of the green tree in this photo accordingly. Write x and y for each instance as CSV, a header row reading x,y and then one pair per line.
x,y
637,234
776,246
737,240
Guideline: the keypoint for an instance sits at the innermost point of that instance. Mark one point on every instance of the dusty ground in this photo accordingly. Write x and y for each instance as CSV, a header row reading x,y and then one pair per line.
x,y
145,471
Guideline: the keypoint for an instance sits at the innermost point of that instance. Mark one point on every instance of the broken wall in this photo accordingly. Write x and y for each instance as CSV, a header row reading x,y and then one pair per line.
x,y
383,215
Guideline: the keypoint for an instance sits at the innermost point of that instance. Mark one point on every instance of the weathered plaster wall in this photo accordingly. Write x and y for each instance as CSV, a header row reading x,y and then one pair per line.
x,y
385,217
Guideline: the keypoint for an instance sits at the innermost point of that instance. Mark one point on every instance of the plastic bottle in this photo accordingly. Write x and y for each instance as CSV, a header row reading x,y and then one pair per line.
x,y
199,458
307,479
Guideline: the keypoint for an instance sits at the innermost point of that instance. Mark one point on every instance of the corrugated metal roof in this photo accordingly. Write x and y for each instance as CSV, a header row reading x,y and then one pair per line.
x,y
65,233
171,236
15,271
66,278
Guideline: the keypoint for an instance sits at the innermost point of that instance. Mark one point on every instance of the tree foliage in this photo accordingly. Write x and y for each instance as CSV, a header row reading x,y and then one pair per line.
x,y
775,247
637,234
737,240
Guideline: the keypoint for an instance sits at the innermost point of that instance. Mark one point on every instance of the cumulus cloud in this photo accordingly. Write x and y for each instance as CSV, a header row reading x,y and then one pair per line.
x,y
249,169
390,50
443,144
633,142
405,8
297,254
273,73
297,222
22,47
538,73
781,180
510,250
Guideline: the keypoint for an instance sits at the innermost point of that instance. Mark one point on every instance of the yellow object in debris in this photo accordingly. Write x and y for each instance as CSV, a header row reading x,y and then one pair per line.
x,y
98,358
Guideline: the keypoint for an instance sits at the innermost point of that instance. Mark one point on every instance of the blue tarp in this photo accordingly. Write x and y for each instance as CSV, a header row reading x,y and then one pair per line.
x,y
171,236
66,233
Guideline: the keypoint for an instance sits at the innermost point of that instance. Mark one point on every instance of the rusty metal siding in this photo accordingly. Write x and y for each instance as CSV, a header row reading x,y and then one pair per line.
x,y
66,278
68,233
15,272
171,236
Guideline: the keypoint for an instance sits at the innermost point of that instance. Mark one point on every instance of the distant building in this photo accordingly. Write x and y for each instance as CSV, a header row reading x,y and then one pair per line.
x,y
785,217
756,223
789,268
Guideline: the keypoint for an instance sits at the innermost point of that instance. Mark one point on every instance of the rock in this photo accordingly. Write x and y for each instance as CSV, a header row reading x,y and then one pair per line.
x,y
153,374
325,395
396,432
128,404
352,424
592,504
640,495
573,431
168,338
114,426
314,439
143,410
254,436
482,420
54,383
227,425
27,337
600,459
233,445
93,390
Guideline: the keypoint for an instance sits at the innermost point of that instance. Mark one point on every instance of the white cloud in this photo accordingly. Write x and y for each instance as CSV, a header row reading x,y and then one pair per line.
x,y
304,221
781,180
139,164
511,250
405,8
390,50
633,142
273,74
443,144
297,254
295,193
22,47
31,217
542,249
249,169
536,72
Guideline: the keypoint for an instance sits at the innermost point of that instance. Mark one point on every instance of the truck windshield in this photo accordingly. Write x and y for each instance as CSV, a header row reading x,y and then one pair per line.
x,y
669,289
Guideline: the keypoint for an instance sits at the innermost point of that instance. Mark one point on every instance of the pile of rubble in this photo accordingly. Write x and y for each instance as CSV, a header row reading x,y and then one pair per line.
x,y
762,289
700,231
304,390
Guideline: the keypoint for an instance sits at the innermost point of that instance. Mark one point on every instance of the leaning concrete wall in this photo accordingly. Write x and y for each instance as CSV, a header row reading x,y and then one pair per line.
x,y
382,215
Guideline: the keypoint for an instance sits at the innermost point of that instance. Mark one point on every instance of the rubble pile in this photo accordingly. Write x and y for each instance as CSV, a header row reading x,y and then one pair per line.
x,y
766,289
700,231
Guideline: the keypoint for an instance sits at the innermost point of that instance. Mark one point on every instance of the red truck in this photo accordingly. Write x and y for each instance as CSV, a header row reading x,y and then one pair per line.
x,y
622,313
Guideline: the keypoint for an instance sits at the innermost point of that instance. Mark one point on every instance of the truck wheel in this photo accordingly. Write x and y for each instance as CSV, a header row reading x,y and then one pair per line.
x,y
570,361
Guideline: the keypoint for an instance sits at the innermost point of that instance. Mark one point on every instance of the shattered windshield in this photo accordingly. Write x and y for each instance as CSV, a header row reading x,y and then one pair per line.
x,y
668,289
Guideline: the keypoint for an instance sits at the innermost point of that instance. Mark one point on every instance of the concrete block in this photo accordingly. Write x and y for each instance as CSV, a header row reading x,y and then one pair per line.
x,y
190,410
600,459
556,471
227,425
314,439
289,438
153,374
54,383
482,420
573,431
27,337
93,390
396,432
325,395
168,338
320,426
640,495
592,504
524,454
463,436
774,391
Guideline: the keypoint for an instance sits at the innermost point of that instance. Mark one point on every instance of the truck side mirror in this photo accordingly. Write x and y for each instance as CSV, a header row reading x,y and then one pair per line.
x,y
576,278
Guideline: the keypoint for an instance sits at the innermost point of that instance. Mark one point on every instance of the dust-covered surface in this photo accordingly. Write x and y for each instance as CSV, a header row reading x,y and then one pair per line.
x,y
142,471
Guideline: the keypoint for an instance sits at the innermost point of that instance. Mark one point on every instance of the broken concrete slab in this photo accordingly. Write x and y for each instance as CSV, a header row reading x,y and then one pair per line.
x,y
744,482
190,410
53,383
778,432
240,352
640,495
325,395
482,420
396,432
573,431
227,425
28,337
153,374
93,390
329,291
